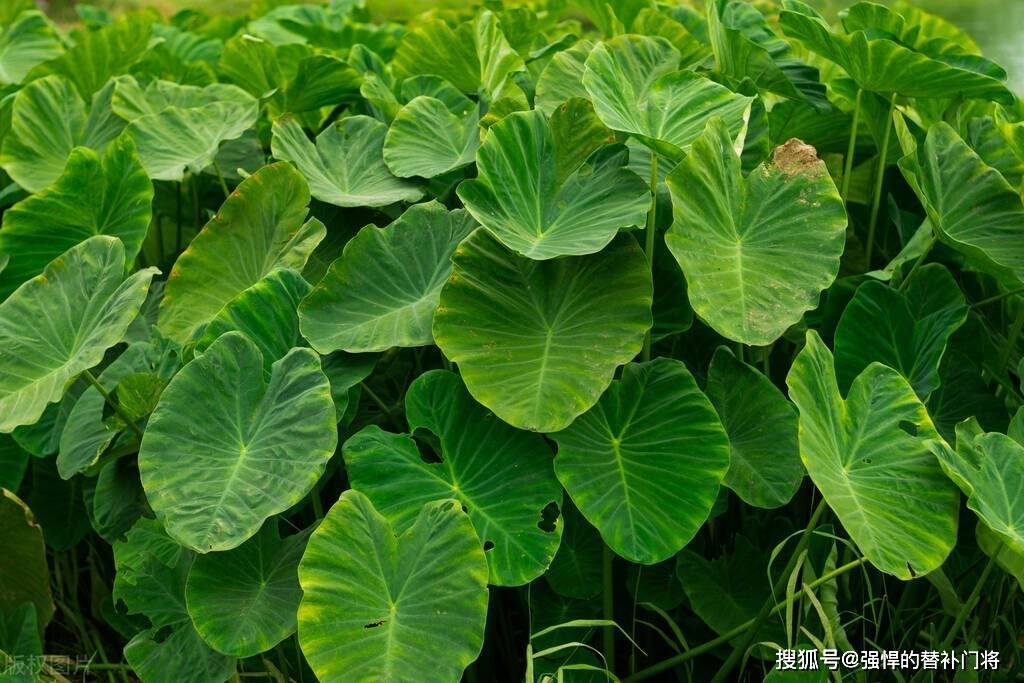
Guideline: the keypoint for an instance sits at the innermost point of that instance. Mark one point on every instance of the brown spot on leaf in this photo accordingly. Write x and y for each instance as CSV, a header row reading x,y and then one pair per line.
x,y
797,157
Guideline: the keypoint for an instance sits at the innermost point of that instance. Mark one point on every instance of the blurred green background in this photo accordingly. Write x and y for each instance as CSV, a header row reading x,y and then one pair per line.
x,y
997,25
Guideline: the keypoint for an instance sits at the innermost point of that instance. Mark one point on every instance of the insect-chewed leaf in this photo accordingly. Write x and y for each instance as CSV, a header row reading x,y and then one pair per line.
x,y
23,571
407,607
150,580
537,342
179,128
61,322
258,579
28,41
48,120
645,464
225,449
383,290
93,196
765,468
542,209
989,469
503,477
855,448
265,313
259,228
882,65
427,138
971,205
575,571
757,251
346,165
907,330
636,89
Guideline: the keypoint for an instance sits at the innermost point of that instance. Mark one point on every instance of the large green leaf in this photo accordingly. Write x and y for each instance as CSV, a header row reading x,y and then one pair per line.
x,y
48,120
989,469
745,47
259,228
474,57
150,581
179,128
405,607
906,330
882,65
575,571
27,42
645,464
383,290
427,138
502,476
93,196
540,204
244,601
765,468
98,55
757,251
537,342
225,449
265,313
61,322
562,78
23,569
346,165
636,89
971,205
13,462
854,449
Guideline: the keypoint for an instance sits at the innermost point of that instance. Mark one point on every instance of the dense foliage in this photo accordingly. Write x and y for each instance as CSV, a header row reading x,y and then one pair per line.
x,y
498,344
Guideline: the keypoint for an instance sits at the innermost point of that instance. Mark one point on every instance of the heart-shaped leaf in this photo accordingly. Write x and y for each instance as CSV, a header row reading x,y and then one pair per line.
x,y
259,228
383,290
258,579
636,89
93,196
179,128
225,449
882,65
346,165
48,120
426,138
28,41
502,476
970,204
407,607
907,330
989,469
757,251
537,342
645,464
61,322
765,468
541,207
855,447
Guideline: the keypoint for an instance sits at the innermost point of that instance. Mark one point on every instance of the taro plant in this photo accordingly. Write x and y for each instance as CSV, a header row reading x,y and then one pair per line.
x,y
540,341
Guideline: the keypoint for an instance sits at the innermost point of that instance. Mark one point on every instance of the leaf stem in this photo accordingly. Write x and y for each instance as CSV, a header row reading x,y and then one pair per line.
x,y
220,178
851,147
876,195
972,599
739,630
113,404
388,413
918,261
997,297
780,586
608,606
652,228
